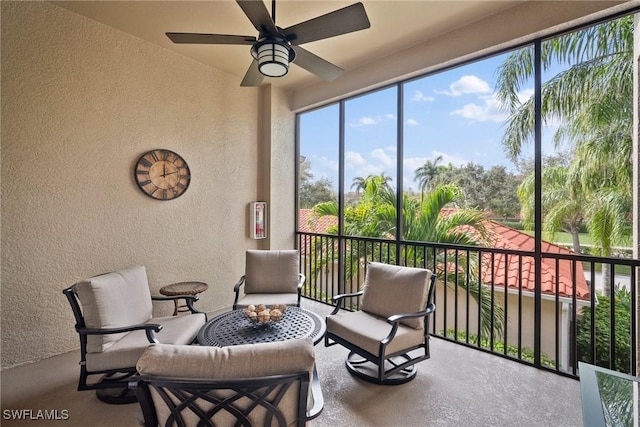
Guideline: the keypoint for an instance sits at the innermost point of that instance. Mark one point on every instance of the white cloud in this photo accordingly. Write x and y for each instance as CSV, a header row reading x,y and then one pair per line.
x,y
466,85
353,159
370,121
524,95
367,121
385,159
490,110
420,97
323,161
412,122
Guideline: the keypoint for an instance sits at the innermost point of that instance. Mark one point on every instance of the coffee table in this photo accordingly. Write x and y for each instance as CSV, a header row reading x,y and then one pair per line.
x,y
234,328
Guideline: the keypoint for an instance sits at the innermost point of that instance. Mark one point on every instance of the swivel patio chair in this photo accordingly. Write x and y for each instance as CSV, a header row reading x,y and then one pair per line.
x,y
390,332
264,384
113,314
271,277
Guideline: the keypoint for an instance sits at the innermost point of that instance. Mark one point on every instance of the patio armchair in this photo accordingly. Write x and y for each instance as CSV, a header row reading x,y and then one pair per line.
x,y
264,384
113,314
390,332
271,277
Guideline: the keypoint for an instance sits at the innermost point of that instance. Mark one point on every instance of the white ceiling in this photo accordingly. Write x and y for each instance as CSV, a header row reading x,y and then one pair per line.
x,y
395,25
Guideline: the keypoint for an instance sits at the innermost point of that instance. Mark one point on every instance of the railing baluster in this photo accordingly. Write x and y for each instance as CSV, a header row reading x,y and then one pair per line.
x,y
519,306
557,312
445,268
455,295
505,325
322,271
612,332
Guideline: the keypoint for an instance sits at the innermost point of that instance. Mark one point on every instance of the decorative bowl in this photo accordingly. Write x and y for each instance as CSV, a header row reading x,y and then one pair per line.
x,y
262,314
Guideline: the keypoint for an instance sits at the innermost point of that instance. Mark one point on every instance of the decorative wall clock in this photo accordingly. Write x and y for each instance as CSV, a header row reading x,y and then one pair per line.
x,y
162,174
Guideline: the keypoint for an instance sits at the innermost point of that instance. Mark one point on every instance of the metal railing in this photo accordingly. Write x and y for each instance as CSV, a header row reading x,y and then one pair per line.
x,y
537,309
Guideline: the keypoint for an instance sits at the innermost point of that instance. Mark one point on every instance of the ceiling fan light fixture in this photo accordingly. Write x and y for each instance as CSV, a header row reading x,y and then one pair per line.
x,y
273,59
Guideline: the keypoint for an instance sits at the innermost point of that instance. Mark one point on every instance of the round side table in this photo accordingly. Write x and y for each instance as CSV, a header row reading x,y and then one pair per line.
x,y
183,288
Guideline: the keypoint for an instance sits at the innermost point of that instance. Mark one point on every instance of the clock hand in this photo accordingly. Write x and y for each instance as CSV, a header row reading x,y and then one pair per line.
x,y
170,173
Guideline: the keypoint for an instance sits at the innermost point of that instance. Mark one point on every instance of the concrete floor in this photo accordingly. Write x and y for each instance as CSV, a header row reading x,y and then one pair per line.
x,y
458,386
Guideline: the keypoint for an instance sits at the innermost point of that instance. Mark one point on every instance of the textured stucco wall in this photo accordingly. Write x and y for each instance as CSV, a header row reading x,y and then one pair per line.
x,y
281,170
80,103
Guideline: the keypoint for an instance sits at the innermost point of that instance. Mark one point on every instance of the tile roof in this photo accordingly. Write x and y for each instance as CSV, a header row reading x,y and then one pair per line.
x,y
556,277
503,237
310,223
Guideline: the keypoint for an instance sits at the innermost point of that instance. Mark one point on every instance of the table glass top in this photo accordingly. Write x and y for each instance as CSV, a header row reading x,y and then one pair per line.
x,y
609,398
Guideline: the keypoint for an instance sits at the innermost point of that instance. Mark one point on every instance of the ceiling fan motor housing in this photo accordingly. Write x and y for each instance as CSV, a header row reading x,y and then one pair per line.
x,y
273,56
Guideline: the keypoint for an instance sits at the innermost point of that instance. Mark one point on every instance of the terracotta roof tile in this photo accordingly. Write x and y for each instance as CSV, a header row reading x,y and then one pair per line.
x,y
555,275
308,222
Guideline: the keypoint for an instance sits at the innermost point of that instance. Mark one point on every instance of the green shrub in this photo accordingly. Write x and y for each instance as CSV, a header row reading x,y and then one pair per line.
x,y
526,354
622,335
513,224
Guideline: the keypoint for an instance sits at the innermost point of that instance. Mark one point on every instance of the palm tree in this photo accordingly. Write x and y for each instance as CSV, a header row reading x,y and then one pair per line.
x,y
424,220
562,203
593,99
361,183
600,60
426,173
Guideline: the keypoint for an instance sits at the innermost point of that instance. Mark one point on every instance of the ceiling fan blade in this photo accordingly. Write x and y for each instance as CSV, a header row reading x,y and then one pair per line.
x,y
258,14
342,21
196,38
253,77
316,65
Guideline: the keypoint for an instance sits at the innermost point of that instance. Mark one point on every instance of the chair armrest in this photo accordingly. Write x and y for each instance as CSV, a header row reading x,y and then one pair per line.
x,y
398,317
337,299
236,289
149,328
188,299
316,395
301,279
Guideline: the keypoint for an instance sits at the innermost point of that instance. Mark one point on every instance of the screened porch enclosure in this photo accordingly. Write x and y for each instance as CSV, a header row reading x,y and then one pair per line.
x,y
511,176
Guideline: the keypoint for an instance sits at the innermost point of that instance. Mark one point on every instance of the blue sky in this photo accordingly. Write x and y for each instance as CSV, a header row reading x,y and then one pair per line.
x,y
453,114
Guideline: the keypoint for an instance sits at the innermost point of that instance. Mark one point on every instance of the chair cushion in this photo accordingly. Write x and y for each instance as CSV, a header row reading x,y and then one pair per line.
x,y
267,299
229,363
237,361
366,331
271,271
127,351
391,289
113,300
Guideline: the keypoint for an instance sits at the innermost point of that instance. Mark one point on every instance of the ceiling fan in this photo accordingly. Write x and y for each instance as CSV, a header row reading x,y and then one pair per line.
x,y
275,48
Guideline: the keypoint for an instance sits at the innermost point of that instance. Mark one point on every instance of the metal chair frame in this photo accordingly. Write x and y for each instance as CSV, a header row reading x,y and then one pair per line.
x,y
188,396
402,365
112,387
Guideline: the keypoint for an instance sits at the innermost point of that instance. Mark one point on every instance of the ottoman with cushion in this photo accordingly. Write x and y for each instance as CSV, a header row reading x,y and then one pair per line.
x,y
228,386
